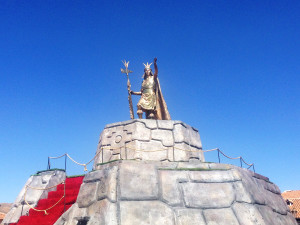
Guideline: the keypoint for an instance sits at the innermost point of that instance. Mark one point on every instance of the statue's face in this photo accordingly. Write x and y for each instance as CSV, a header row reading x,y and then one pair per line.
x,y
148,72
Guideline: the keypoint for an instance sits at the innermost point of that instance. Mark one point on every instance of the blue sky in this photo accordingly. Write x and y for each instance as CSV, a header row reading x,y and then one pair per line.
x,y
229,68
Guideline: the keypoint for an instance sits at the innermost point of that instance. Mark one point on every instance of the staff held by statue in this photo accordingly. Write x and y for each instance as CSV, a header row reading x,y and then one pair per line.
x,y
127,71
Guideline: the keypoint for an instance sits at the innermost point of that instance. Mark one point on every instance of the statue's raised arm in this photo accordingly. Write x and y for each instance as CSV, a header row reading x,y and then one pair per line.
x,y
155,68
151,101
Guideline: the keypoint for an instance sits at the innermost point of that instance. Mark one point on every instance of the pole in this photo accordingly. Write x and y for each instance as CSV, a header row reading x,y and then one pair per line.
x,y
48,167
127,71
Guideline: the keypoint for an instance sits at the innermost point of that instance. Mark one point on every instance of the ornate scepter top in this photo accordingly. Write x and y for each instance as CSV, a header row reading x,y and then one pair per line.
x,y
126,70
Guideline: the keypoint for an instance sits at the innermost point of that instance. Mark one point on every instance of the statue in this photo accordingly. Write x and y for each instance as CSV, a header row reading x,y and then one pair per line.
x,y
152,101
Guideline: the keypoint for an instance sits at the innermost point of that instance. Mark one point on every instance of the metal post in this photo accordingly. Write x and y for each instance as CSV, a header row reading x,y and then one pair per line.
x,y
241,162
219,156
48,166
253,168
65,182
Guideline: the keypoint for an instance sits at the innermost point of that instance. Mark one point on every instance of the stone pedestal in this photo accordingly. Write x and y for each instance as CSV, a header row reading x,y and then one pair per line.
x,y
152,172
130,192
142,139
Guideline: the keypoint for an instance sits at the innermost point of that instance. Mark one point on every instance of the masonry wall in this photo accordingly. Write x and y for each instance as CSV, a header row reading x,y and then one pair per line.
x,y
142,139
147,192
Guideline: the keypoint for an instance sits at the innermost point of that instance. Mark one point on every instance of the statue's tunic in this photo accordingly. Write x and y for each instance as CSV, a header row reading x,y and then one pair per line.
x,y
153,100
148,98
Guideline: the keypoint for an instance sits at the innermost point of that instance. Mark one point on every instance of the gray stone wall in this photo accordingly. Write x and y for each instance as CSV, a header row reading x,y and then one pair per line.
x,y
42,180
143,139
130,192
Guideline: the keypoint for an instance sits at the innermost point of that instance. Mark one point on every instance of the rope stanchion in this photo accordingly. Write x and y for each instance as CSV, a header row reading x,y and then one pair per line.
x,y
48,167
143,150
228,156
57,157
65,185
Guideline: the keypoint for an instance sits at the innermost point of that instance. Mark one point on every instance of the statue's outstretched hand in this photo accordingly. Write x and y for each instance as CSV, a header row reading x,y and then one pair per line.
x,y
155,60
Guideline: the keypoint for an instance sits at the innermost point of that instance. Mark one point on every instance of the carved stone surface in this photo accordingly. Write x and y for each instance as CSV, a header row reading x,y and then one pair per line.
x,y
153,192
143,139
189,216
153,172
146,212
137,183
223,216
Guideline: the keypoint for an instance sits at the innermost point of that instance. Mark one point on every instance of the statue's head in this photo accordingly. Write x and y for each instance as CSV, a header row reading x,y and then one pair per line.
x,y
147,70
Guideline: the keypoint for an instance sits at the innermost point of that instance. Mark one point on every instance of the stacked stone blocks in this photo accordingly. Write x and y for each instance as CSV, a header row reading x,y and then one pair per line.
x,y
177,193
142,139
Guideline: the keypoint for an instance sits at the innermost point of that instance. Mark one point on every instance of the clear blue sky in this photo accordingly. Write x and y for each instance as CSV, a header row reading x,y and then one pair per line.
x,y
229,68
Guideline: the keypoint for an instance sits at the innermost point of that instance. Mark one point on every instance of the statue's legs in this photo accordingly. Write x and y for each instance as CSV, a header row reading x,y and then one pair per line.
x,y
140,112
150,114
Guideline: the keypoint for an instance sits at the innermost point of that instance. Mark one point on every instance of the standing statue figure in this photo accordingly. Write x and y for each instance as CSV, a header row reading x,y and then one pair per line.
x,y
152,101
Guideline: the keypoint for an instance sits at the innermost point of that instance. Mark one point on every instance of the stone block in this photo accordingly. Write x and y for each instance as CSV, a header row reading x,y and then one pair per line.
x,y
112,184
87,194
165,124
72,215
106,155
141,133
102,189
105,137
180,133
270,217
93,176
276,202
248,214
151,124
219,166
189,217
196,153
153,150
213,176
181,152
241,194
220,217
138,181
107,182
194,137
253,187
170,190
146,212
193,165
208,195
165,136
271,187
20,197
130,150
102,213
15,213
33,195
129,128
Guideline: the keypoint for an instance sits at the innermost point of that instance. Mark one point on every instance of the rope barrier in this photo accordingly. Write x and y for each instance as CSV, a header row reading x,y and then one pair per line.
x,y
155,150
36,188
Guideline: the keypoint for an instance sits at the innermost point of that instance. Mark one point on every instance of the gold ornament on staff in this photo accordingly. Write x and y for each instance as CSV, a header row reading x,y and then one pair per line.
x,y
127,71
